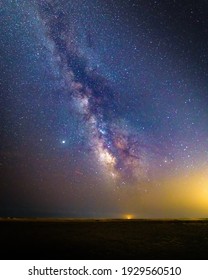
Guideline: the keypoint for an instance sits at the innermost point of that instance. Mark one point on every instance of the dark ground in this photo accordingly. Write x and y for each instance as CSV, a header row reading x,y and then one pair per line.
x,y
103,239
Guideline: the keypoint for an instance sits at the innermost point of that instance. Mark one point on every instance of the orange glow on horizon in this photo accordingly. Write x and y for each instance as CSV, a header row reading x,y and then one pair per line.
x,y
128,216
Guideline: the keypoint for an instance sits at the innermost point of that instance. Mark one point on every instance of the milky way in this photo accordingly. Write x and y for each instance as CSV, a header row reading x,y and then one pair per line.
x,y
117,149
104,108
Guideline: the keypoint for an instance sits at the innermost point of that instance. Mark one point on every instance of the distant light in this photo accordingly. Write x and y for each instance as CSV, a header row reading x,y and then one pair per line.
x,y
129,216
63,141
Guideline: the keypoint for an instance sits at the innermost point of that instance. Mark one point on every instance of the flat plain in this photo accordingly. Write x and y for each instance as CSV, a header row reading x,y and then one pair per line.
x,y
103,239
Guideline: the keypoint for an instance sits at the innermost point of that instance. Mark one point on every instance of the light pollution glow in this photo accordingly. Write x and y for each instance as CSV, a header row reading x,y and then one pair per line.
x,y
180,197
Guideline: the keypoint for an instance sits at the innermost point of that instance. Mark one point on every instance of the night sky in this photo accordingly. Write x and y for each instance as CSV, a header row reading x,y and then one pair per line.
x,y
104,108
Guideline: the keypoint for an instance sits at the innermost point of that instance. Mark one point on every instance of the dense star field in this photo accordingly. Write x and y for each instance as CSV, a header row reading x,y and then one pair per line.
x,y
104,108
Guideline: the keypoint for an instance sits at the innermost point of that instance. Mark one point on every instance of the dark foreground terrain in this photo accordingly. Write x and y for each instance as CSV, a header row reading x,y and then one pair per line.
x,y
103,239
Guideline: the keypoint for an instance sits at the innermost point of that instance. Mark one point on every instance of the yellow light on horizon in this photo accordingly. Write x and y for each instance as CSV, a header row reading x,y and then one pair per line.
x,y
129,216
